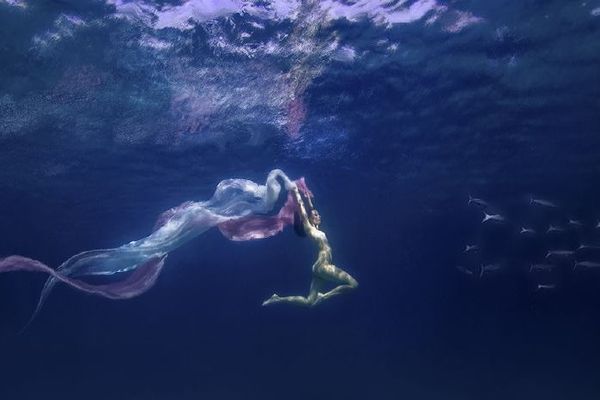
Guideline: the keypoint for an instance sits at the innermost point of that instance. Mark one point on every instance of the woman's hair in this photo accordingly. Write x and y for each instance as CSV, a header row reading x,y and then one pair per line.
x,y
298,225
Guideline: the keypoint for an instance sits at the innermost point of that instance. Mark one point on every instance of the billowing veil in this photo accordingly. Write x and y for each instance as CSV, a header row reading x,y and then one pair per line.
x,y
240,209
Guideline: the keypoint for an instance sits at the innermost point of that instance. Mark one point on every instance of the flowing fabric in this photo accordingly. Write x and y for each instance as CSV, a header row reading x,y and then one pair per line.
x,y
259,227
239,208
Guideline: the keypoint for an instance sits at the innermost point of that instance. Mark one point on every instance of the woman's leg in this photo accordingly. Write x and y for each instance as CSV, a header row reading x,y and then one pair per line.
x,y
310,300
331,273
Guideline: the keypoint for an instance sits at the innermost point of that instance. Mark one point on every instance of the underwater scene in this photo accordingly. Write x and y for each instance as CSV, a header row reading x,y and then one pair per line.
x,y
299,199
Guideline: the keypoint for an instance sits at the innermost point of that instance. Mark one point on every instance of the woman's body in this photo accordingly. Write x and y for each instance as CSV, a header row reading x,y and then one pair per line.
x,y
323,269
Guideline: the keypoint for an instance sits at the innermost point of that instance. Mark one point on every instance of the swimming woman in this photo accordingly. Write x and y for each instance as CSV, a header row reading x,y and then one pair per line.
x,y
323,270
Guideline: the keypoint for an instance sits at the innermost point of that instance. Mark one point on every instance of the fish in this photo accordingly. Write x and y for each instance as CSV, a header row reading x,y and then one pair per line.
x,y
489,268
492,217
598,225
542,202
527,231
575,222
560,253
542,286
472,247
479,202
541,267
586,264
464,270
587,247
555,229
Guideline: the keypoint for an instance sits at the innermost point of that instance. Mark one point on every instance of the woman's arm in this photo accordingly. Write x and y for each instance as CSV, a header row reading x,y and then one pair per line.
x,y
308,228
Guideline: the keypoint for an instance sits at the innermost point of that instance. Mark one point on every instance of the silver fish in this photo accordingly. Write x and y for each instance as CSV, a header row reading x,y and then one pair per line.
x,y
560,253
527,231
541,267
542,286
472,247
492,217
464,270
489,268
542,202
586,264
574,222
554,229
479,202
587,247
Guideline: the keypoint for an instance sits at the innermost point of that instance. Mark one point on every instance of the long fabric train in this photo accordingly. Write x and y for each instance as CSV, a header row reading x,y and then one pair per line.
x,y
239,208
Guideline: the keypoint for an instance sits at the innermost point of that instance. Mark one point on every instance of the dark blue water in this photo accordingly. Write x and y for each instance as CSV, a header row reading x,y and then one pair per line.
x,y
112,112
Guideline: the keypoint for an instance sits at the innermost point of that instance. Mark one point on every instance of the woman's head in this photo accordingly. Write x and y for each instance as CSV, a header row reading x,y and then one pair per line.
x,y
315,218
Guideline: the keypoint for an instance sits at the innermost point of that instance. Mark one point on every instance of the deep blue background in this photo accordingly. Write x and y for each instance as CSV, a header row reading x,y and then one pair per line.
x,y
392,145
414,328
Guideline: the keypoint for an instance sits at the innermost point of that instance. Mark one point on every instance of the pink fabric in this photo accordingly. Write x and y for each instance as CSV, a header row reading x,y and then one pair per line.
x,y
260,227
301,183
145,275
252,227
140,280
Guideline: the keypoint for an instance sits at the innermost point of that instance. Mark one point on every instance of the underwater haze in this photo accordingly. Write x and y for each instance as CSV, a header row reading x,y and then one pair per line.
x,y
452,148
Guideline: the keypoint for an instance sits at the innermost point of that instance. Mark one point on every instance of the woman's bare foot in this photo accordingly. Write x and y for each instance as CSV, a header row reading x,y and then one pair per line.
x,y
273,299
